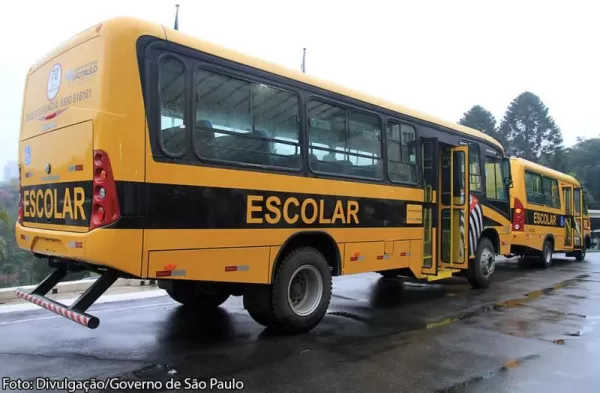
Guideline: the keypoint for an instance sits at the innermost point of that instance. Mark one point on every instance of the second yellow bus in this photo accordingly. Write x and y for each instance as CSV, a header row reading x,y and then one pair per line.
x,y
548,213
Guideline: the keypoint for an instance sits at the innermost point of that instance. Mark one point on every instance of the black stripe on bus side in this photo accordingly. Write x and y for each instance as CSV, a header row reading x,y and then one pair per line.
x,y
546,219
194,207
171,206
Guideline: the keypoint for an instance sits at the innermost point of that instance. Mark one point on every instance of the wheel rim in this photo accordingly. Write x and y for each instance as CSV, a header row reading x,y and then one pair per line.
x,y
548,255
487,261
305,290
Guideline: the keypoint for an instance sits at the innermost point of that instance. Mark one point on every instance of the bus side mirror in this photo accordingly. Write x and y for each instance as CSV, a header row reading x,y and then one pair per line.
x,y
506,172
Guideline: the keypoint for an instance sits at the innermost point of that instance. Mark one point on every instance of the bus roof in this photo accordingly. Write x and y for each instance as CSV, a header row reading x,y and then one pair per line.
x,y
546,171
120,24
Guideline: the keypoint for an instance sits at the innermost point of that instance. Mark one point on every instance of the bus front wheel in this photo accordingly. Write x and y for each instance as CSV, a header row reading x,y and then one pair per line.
x,y
199,295
299,297
483,265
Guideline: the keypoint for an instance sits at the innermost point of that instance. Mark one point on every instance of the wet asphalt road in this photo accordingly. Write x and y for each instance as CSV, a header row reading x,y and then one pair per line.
x,y
534,330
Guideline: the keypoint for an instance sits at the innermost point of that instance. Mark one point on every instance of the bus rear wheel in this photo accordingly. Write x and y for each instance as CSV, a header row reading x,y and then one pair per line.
x,y
199,295
483,265
580,255
545,259
299,297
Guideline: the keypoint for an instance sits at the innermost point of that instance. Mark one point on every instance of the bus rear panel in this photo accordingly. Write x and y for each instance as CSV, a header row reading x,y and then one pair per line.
x,y
81,143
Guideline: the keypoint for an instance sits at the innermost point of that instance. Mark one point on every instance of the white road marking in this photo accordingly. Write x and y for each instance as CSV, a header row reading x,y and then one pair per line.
x,y
95,312
27,306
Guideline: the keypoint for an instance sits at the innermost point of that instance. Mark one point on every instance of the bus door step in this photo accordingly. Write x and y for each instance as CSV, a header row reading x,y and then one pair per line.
x,y
442,274
76,311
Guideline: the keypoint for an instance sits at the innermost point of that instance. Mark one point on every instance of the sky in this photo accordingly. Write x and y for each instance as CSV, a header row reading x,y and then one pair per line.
x,y
439,57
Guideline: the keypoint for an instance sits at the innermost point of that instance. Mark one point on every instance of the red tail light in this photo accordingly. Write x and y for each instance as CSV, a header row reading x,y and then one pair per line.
x,y
518,223
20,206
105,202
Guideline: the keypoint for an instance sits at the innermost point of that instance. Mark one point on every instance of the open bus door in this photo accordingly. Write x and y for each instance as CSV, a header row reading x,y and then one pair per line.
x,y
454,208
568,219
578,218
429,163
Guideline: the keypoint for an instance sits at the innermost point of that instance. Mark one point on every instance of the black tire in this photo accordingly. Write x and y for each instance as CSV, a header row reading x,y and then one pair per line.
x,y
279,315
545,259
580,255
479,273
257,303
199,295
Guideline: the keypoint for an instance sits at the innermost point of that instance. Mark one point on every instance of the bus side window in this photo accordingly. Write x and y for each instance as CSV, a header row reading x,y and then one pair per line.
x,y
551,193
577,197
173,132
250,123
474,168
533,188
343,141
401,152
494,184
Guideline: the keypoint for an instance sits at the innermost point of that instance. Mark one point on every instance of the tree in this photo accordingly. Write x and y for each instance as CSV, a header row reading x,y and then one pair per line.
x,y
3,245
531,133
583,164
3,214
481,119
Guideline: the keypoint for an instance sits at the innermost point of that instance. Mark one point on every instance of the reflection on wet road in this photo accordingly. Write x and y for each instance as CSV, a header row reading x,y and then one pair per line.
x,y
533,330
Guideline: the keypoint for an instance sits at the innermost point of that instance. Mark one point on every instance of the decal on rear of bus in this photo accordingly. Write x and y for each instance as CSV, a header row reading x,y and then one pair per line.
x,y
63,204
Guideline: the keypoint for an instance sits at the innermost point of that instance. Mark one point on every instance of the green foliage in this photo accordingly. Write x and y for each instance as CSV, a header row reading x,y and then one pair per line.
x,y
3,221
17,266
481,119
3,214
527,130
530,132
582,161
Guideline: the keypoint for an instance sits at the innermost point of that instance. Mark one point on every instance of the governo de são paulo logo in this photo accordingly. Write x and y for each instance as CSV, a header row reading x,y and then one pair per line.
x,y
54,79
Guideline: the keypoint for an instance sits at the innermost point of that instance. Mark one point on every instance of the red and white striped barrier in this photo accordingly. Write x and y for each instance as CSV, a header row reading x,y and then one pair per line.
x,y
84,319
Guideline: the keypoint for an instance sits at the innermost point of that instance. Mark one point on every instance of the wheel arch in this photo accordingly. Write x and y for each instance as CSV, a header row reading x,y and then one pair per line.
x,y
320,240
492,234
550,238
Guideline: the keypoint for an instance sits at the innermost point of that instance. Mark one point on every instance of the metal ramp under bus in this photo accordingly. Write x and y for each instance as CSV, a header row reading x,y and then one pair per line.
x,y
76,311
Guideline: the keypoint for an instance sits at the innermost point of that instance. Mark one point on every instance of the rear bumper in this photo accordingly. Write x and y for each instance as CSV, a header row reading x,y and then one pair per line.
x,y
119,249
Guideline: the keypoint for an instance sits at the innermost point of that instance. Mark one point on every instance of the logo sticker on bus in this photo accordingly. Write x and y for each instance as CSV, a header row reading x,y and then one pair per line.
x,y
27,155
54,79
82,72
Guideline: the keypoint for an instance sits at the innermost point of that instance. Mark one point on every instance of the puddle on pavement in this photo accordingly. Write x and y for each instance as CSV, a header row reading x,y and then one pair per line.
x,y
508,365
515,302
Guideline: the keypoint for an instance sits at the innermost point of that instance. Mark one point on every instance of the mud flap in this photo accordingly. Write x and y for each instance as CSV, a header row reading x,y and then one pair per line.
x,y
76,311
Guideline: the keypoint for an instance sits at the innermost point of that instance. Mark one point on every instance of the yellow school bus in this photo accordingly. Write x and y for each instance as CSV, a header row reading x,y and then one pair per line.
x,y
549,213
148,153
